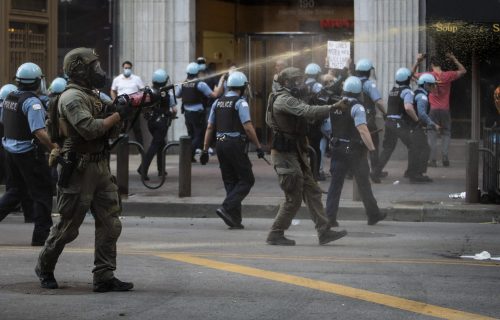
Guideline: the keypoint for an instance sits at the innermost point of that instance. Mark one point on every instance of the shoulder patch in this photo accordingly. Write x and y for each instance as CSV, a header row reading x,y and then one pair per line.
x,y
374,85
362,108
291,102
71,106
424,97
244,104
37,106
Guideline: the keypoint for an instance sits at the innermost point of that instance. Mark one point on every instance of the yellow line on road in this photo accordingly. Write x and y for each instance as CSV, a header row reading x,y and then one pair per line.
x,y
379,298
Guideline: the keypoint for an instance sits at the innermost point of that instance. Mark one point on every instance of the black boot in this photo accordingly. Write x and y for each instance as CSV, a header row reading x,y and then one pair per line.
x,y
277,238
372,220
47,280
113,284
330,235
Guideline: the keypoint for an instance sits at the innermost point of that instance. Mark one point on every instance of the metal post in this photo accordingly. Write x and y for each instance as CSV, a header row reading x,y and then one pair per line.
x,y
471,172
122,159
355,190
185,166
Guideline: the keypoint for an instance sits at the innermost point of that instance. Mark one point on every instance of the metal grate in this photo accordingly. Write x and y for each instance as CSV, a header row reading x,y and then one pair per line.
x,y
27,43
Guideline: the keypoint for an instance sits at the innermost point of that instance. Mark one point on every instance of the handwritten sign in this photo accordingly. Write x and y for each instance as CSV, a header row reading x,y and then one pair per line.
x,y
338,54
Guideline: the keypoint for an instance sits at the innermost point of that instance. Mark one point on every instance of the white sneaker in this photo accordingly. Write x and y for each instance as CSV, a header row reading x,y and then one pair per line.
x,y
198,151
211,151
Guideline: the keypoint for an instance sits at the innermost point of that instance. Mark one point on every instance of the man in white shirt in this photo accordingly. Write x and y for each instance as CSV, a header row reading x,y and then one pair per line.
x,y
127,83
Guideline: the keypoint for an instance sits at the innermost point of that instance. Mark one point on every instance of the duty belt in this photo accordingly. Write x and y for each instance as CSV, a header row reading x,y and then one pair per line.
x,y
225,137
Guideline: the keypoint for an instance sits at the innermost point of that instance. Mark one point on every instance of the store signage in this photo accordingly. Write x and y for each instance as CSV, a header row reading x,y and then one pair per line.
x,y
336,23
453,27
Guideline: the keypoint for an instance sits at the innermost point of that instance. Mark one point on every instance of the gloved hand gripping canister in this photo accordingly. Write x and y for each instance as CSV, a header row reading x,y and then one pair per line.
x,y
341,104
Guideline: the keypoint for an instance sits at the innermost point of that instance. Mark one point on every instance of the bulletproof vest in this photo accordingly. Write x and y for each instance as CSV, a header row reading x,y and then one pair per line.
x,y
343,124
191,94
310,98
395,105
417,92
288,124
226,116
162,106
16,124
366,101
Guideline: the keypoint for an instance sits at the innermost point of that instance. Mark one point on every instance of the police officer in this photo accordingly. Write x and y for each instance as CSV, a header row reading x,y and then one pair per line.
x,y
85,180
314,134
4,92
25,140
370,99
230,118
287,116
426,84
159,118
401,118
193,91
350,141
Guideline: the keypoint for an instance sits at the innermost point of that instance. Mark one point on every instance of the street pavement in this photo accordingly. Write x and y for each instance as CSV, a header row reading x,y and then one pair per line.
x,y
195,268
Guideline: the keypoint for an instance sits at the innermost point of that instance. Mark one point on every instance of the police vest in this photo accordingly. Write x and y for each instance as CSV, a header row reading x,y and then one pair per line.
x,y
343,124
190,93
366,101
227,118
417,92
15,122
396,105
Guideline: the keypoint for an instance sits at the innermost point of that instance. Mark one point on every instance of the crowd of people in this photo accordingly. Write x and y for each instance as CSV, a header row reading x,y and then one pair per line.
x,y
333,112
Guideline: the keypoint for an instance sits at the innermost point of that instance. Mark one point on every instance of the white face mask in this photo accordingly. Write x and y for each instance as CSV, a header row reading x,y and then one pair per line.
x,y
127,72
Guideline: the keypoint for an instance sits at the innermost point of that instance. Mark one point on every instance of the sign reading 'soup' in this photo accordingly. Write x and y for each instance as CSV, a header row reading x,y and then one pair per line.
x,y
338,54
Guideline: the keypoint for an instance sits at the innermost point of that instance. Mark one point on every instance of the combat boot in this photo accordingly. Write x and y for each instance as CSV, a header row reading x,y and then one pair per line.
x,y
277,238
113,284
330,235
47,280
372,220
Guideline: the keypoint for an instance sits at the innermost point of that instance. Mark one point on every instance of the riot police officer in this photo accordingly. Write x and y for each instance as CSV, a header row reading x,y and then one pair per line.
x,y
401,118
85,180
25,140
287,116
230,118
4,92
350,141
426,84
159,118
193,92
314,134
370,99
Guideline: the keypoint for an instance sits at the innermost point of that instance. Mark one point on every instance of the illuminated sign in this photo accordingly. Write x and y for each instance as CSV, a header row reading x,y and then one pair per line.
x,y
337,23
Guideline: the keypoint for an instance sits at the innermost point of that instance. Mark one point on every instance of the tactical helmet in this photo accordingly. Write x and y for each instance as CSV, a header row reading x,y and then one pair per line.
x,y
6,89
403,74
237,79
58,85
426,78
352,85
160,76
28,73
192,68
312,69
78,57
364,65
289,74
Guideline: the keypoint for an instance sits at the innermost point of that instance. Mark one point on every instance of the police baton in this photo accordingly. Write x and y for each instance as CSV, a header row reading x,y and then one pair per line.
x,y
265,159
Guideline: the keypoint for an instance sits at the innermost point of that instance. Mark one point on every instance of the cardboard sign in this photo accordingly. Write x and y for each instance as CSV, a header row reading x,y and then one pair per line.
x,y
338,53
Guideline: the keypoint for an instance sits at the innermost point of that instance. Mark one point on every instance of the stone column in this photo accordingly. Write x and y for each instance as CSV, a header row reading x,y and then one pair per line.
x,y
157,34
386,32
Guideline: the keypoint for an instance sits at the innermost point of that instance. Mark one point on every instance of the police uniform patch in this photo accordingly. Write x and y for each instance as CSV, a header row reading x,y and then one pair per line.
x,y
374,85
244,104
37,107
72,105
362,108
424,98
291,102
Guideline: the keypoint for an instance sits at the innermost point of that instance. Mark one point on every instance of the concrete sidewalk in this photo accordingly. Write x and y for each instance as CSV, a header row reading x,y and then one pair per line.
x,y
395,195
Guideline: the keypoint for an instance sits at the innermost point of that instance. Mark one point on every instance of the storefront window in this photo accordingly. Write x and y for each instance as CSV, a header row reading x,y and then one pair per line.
x,y
30,5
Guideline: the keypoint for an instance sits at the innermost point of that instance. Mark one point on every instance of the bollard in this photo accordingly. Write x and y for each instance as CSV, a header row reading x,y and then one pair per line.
x,y
122,164
185,166
472,172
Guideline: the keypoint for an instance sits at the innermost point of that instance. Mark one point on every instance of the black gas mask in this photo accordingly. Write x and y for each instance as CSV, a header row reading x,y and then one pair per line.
x,y
298,88
97,76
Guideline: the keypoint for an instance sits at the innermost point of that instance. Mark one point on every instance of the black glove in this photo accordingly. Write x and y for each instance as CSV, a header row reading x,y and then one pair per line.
x,y
124,109
204,157
260,153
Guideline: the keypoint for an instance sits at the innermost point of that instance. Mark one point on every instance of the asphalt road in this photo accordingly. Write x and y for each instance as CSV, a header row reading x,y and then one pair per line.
x,y
197,269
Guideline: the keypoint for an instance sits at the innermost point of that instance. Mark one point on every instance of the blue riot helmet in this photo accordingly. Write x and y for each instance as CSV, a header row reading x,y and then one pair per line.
x,y
192,69
403,75
426,78
364,65
29,74
58,85
5,90
352,85
160,77
202,63
312,69
237,79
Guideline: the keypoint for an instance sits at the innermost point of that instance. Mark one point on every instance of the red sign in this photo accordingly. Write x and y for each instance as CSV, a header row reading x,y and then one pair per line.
x,y
337,23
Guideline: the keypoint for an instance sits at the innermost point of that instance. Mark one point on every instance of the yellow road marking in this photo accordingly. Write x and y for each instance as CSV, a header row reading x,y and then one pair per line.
x,y
360,294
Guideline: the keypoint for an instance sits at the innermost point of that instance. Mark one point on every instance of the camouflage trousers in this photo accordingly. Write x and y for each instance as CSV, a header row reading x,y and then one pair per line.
x,y
93,189
296,180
